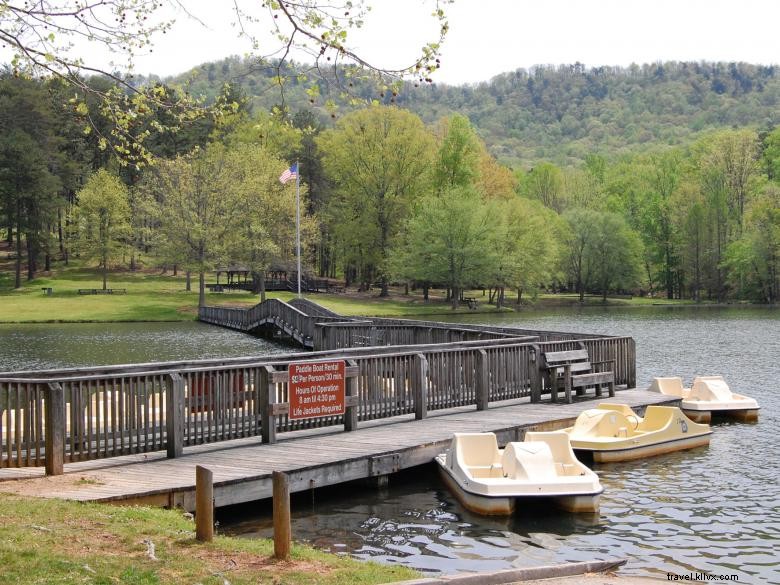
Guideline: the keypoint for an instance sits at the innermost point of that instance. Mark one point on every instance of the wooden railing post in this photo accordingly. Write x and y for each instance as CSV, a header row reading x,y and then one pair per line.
x,y
54,429
482,380
281,515
351,390
267,397
535,372
204,504
174,415
420,386
325,337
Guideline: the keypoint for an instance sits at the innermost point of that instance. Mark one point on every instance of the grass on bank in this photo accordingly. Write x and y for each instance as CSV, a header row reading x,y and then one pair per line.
x,y
52,541
153,296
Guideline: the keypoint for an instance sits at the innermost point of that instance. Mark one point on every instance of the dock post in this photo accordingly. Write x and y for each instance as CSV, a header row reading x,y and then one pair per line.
x,y
282,528
204,504
174,415
351,411
535,374
267,398
420,386
482,380
55,429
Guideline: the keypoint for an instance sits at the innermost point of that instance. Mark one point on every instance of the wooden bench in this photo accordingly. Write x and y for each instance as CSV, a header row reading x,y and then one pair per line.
x,y
574,369
101,291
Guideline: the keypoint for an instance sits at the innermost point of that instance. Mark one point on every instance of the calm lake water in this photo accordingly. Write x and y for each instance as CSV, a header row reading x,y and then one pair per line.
x,y
714,509
60,345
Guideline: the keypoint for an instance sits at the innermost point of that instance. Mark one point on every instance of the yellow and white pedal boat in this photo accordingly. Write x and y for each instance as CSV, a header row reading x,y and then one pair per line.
x,y
709,396
614,432
488,480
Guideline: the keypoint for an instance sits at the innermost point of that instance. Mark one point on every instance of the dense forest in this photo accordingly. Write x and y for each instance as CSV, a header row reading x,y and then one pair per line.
x,y
660,179
557,114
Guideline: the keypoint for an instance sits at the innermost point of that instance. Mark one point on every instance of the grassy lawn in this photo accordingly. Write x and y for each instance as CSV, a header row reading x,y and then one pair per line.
x,y
52,541
152,296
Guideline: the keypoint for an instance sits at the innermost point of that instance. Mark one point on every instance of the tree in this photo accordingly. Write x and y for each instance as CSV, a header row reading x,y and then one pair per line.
x,y
658,217
458,157
616,250
602,251
545,183
28,187
528,252
200,209
102,221
267,224
377,160
450,239
754,259
43,39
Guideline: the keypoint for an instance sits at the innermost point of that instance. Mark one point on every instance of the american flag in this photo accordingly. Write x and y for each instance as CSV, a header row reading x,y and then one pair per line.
x,y
289,174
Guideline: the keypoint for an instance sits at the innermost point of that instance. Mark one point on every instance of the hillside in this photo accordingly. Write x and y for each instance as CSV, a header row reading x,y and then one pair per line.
x,y
559,113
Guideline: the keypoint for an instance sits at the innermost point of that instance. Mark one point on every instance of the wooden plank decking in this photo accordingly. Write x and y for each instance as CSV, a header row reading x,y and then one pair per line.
x,y
314,458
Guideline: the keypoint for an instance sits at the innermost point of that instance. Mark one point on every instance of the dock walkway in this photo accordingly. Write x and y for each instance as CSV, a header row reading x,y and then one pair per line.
x,y
313,458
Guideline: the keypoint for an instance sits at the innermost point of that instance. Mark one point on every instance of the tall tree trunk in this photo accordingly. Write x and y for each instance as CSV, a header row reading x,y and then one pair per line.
x,y
18,280
30,257
105,272
188,281
201,289
175,269
59,230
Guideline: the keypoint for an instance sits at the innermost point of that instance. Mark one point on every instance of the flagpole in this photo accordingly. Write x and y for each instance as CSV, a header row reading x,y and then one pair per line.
x,y
298,221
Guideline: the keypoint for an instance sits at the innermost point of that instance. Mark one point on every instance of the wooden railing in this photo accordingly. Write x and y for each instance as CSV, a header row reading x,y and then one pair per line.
x,y
316,327
368,333
396,367
285,317
94,413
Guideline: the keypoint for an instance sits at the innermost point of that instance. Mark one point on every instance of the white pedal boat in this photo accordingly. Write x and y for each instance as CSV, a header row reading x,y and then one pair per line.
x,y
709,395
613,432
488,480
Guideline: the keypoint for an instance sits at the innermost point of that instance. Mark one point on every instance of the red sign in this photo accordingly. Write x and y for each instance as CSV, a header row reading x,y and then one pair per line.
x,y
316,389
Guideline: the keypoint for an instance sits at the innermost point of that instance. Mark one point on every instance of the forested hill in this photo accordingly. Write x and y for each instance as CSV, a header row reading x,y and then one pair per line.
x,y
563,113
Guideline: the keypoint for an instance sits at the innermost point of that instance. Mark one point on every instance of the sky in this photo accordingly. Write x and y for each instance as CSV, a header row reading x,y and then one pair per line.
x,y
488,37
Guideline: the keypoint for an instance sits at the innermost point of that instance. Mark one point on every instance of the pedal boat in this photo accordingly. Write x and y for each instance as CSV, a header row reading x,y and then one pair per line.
x,y
614,432
709,396
488,480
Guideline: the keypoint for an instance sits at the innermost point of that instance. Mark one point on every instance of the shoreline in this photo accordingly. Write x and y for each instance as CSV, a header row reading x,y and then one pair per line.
x,y
492,310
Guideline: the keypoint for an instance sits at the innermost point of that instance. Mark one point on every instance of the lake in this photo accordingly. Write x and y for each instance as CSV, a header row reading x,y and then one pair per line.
x,y
65,345
714,509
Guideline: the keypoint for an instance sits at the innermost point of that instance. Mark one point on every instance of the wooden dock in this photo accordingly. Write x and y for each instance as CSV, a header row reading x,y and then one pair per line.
x,y
313,458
